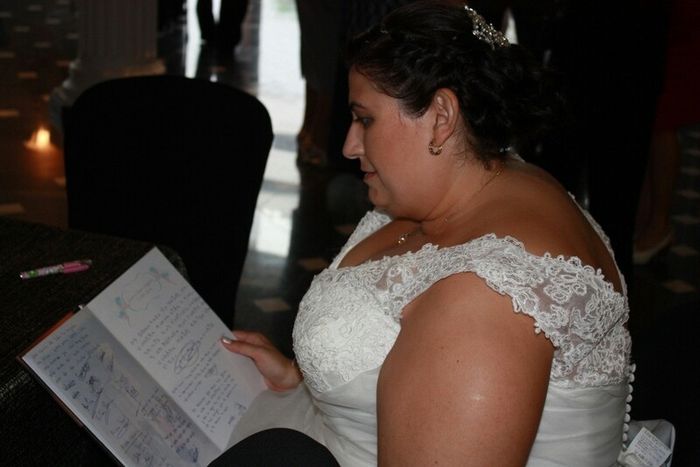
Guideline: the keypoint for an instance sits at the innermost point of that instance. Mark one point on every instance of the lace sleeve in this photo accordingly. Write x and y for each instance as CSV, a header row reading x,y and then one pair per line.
x,y
572,304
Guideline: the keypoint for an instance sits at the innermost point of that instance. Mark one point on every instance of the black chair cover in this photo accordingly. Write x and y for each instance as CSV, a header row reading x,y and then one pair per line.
x,y
174,161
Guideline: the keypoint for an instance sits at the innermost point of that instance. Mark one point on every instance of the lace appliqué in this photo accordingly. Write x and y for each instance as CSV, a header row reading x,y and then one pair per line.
x,y
350,317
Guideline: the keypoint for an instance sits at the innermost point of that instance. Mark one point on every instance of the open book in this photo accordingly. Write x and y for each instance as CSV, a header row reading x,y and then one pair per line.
x,y
141,366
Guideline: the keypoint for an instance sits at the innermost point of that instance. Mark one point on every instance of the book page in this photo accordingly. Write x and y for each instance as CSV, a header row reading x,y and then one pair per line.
x,y
111,394
159,318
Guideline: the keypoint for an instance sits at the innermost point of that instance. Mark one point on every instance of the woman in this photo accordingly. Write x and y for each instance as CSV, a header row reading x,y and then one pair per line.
x,y
476,317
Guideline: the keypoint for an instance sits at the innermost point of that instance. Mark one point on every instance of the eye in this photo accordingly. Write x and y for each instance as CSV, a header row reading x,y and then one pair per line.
x,y
364,121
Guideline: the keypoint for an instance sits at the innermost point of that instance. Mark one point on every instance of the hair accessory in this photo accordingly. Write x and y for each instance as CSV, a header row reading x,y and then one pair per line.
x,y
483,31
434,150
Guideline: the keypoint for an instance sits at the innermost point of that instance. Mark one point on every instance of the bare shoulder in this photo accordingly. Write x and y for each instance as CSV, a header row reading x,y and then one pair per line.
x,y
534,208
472,377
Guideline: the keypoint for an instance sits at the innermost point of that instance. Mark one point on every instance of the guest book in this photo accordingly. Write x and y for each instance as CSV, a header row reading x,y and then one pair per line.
x,y
142,368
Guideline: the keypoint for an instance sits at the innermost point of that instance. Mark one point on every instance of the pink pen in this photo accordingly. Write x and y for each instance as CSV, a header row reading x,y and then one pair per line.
x,y
64,268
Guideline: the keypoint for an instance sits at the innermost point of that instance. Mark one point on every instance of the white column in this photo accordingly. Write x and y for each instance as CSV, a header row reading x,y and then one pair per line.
x,y
116,38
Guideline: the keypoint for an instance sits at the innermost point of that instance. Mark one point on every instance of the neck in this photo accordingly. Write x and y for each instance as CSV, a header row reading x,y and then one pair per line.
x,y
460,203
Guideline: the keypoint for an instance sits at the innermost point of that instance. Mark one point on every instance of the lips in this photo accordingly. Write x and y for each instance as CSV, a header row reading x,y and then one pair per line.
x,y
367,169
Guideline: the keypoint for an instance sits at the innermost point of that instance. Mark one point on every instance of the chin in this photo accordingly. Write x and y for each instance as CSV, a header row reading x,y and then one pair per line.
x,y
377,203
383,208
380,201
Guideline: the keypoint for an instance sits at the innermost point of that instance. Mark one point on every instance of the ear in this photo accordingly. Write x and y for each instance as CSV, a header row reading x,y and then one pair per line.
x,y
445,106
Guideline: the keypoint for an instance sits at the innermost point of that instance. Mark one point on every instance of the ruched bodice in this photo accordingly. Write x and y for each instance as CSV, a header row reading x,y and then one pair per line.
x,y
351,316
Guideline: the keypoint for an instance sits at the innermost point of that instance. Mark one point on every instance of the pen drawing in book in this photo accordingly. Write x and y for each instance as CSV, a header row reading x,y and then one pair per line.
x,y
123,406
143,364
167,326
138,294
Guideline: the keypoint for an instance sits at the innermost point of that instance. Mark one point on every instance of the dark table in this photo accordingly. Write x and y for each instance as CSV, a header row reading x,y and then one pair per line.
x,y
34,429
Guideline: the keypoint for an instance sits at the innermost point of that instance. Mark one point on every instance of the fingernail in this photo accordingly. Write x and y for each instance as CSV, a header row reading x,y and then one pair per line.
x,y
226,340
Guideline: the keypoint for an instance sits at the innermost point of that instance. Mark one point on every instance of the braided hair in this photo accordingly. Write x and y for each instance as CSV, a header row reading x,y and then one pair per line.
x,y
505,96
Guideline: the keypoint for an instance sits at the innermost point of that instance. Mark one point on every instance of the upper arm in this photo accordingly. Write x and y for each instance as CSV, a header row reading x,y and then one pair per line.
x,y
465,382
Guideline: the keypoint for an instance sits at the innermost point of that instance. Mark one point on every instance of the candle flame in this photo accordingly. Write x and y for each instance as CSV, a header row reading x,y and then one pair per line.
x,y
40,140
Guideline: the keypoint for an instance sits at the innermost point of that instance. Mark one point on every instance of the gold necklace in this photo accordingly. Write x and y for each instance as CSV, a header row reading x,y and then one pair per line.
x,y
404,236
498,172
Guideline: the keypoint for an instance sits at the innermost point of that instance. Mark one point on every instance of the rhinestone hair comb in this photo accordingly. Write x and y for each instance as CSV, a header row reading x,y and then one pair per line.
x,y
483,31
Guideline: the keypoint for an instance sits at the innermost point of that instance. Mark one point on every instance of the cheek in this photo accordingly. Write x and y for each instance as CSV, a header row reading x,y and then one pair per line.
x,y
384,147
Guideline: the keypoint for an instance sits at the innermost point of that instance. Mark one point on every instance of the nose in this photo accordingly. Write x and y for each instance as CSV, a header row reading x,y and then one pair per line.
x,y
352,149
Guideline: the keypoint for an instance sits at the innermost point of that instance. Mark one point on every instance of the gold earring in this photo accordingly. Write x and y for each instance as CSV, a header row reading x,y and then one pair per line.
x,y
434,150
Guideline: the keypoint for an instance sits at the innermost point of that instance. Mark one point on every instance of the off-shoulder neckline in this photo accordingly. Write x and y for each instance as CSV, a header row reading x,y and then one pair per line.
x,y
572,260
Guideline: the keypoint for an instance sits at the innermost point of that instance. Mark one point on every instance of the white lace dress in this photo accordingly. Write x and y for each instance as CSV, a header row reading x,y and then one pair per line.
x,y
351,316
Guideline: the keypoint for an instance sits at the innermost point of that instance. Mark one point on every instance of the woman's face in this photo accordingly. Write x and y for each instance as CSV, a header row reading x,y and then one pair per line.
x,y
391,147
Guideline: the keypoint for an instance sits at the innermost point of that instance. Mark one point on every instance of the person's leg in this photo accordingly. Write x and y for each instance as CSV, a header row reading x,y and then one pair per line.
x,y
655,233
644,209
205,17
313,149
305,141
309,108
276,447
321,23
231,18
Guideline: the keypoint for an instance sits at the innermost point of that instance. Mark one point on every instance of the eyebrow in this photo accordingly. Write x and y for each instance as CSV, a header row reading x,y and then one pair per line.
x,y
354,105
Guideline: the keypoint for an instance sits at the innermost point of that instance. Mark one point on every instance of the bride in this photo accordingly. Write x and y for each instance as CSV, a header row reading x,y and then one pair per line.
x,y
476,316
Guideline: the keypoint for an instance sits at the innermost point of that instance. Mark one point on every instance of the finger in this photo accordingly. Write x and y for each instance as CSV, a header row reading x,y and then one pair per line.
x,y
244,348
252,337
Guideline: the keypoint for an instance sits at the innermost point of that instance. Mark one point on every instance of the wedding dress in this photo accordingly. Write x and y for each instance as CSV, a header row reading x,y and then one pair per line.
x,y
351,316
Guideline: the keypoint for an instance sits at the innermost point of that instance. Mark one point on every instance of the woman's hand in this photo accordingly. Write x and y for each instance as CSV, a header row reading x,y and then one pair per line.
x,y
279,372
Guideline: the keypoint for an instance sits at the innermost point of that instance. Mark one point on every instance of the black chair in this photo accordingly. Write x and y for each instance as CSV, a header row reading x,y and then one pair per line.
x,y
173,161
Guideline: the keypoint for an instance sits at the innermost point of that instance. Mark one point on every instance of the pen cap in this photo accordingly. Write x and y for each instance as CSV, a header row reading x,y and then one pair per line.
x,y
77,267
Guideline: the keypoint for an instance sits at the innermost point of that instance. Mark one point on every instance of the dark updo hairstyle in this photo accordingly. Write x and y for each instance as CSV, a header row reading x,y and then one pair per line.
x,y
504,96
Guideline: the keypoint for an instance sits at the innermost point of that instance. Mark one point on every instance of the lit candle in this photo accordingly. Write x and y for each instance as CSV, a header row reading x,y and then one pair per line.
x,y
40,140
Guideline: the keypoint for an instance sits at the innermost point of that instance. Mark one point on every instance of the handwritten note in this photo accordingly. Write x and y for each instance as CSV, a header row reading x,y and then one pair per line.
x,y
159,318
142,363
111,394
